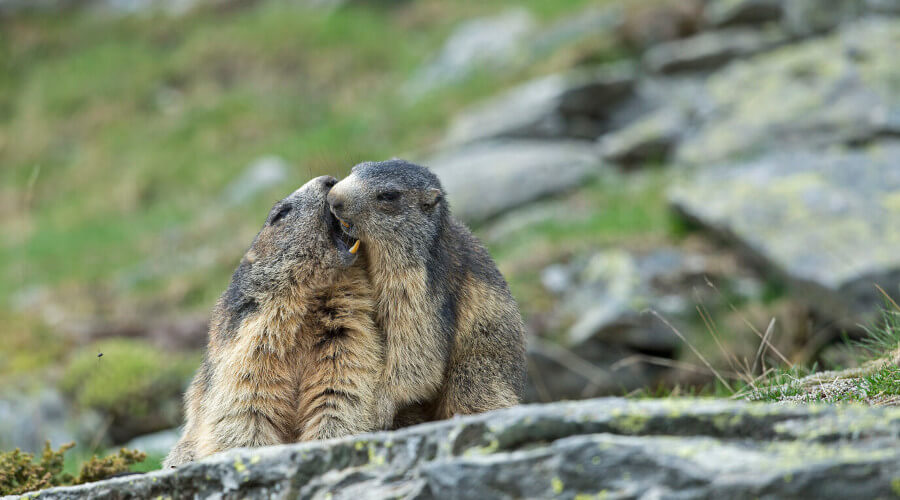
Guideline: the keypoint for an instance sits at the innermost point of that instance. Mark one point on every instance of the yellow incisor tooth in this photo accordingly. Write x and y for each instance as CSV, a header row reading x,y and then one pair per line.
x,y
355,247
345,224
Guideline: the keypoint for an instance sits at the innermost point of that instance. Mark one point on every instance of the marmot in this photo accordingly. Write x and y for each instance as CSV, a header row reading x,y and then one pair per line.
x,y
293,352
455,340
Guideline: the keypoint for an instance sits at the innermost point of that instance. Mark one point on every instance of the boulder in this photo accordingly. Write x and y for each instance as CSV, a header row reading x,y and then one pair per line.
x,y
609,298
477,43
891,7
650,138
710,50
580,103
157,443
838,89
826,221
809,17
485,179
722,13
616,448
29,418
602,327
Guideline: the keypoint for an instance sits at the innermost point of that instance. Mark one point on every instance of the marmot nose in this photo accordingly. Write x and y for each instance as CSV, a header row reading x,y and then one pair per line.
x,y
336,202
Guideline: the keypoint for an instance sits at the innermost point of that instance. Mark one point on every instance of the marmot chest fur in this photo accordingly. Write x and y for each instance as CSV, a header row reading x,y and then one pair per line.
x,y
293,350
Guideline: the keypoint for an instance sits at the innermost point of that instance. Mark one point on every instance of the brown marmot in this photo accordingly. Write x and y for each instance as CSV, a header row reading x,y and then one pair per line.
x,y
455,341
293,352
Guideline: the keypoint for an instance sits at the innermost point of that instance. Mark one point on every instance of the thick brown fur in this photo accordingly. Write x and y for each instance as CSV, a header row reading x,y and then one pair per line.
x,y
454,336
293,350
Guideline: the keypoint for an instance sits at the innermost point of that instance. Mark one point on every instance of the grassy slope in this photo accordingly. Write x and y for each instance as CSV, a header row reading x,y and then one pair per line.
x,y
119,136
114,131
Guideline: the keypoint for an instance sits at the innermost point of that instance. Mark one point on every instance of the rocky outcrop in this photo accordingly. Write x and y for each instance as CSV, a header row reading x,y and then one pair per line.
x,y
621,314
650,138
835,90
605,448
722,13
825,220
578,104
710,50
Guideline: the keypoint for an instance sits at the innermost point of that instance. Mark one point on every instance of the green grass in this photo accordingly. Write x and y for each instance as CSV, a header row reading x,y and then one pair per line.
x,y
780,384
882,337
131,127
883,382
118,137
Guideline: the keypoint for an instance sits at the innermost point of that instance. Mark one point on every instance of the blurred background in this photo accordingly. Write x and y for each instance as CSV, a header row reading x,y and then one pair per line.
x,y
686,196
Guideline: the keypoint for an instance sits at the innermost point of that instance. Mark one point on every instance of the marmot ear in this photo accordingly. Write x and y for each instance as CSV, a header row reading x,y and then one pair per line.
x,y
431,198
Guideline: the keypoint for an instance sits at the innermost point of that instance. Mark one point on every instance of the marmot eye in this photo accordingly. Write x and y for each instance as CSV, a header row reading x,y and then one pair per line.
x,y
388,195
281,213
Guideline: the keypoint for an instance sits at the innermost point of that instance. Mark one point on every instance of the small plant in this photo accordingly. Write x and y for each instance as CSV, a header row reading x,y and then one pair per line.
x,y
882,382
884,338
97,468
19,473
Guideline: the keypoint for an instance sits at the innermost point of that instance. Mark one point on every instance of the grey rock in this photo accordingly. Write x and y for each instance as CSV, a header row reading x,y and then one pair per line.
x,y
617,315
679,448
825,220
158,443
891,7
650,138
710,50
477,43
721,13
556,278
262,174
556,373
28,420
574,104
839,89
609,298
809,17
485,179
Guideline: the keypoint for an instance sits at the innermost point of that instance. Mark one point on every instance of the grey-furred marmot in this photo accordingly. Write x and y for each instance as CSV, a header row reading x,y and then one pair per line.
x,y
455,341
294,353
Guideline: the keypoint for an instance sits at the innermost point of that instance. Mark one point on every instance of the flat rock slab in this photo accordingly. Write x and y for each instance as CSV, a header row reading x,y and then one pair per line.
x,y
721,13
557,105
839,89
710,50
606,448
485,179
827,221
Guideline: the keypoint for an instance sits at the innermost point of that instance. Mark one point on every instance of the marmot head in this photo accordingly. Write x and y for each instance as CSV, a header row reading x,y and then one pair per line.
x,y
394,204
301,244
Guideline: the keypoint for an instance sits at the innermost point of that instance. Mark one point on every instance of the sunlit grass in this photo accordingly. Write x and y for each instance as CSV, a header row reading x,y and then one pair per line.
x,y
138,124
